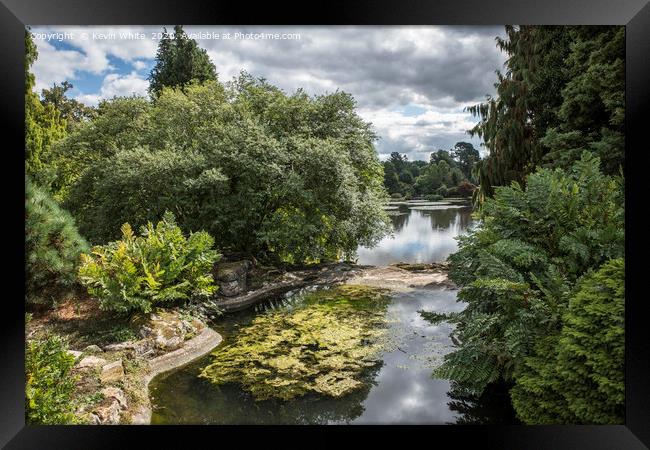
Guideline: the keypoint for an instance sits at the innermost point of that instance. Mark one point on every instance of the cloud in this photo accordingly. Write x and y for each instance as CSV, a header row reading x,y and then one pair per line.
x,y
411,82
116,85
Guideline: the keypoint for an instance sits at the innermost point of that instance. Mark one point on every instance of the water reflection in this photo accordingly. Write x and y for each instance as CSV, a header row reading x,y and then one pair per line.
x,y
420,235
399,389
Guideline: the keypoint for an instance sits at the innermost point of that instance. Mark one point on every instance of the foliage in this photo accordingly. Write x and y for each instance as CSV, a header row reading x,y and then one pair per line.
x,y
289,176
159,266
43,122
52,247
562,93
70,110
49,383
419,178
577,375
433,197
322,345
179,61
518,269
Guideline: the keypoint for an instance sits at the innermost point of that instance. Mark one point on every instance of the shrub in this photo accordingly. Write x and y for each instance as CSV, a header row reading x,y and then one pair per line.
x,y
433,197
48,382
517,273
52,248
396,195
581,369
465,189
442,190
159,266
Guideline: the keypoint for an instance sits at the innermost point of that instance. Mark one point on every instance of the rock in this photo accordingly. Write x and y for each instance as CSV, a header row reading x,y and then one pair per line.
x,y
231,277
91,361
117,394
95,420
75,353
137,347
164,330
112,372
93,349
108,412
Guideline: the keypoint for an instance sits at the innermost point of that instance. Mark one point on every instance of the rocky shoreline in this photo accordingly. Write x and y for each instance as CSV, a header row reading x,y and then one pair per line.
x,y
119,373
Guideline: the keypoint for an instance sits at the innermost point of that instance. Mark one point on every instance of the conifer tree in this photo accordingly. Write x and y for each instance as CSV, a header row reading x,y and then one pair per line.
x,y
178,62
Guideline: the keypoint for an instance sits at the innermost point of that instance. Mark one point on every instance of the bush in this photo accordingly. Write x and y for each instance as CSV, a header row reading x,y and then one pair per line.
x,y
52,248
433,197
396,195
160,266
465,189
517,273
583,368
442,191
48,382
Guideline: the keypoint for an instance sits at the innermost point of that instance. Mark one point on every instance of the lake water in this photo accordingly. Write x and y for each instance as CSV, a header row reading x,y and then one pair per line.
x,y
399,389
423,232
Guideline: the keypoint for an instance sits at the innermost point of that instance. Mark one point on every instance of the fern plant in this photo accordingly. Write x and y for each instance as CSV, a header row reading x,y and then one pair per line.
x,y
518,271
158,267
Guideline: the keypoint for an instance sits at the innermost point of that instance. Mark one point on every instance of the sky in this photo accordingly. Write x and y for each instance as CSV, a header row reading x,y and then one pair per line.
x,y
412,83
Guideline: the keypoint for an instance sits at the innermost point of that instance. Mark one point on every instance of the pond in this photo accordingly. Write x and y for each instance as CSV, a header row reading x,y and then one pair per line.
x,y
393,385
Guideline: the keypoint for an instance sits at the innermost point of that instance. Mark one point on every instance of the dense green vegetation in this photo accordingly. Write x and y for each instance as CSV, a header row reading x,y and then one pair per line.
x,y
543,276
52,248
48,382
294,178
160,266
447,174
563,92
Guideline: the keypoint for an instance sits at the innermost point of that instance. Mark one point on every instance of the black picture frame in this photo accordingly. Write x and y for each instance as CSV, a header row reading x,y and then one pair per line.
x,y
634,14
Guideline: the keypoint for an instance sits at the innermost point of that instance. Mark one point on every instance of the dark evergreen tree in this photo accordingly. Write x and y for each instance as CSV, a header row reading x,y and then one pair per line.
x,y
179,61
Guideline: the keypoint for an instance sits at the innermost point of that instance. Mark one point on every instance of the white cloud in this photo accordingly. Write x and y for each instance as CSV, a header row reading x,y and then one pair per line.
x,y
117,85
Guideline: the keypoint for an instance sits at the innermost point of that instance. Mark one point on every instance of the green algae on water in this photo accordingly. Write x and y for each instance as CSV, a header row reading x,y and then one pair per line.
x,y
322,345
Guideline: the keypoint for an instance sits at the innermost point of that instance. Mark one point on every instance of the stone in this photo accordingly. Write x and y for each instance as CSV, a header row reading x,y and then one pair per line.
x,y
75,353
108,412
231,277
164,330
91,361
112,372
117,394
93,349
137,347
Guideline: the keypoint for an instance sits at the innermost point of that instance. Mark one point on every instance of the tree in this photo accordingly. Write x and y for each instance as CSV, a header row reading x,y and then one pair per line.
x,y
562,93
52,248
71,110
43,123
291,177
179,61
466,156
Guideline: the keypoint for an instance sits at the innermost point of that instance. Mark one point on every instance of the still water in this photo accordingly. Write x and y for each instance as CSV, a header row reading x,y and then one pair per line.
x,y
424,232
399,389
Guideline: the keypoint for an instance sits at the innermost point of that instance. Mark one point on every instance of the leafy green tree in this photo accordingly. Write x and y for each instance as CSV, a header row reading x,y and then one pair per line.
x,y
288,176
179,61
160,266
71,110
52,248
120,123
49,383
466,156
577,374
43,123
